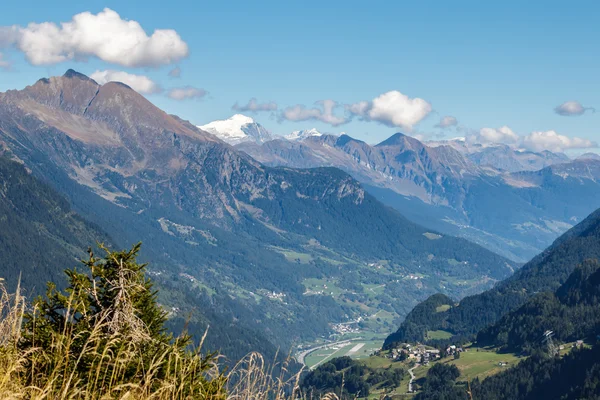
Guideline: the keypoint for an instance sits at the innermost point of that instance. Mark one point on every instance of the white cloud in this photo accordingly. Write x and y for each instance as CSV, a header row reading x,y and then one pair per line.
x,y
571,108
139,83
186,93
550,140
447,122
254,106
324,113
3,63
503,135
175,72
104,35
361,108
393,109
535,141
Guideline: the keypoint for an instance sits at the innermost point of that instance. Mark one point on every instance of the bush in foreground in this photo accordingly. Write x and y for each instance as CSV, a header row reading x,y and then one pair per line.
x,y
104,338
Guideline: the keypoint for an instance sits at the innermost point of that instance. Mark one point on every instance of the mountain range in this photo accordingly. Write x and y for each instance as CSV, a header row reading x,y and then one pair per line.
x,y
272,256
513,202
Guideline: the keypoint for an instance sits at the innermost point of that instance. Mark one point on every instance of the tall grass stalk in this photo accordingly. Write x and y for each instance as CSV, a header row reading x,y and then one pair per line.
x,y
115,355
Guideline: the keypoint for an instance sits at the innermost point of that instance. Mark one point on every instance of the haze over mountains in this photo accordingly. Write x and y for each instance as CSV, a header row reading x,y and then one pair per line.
x,y
510,201
271,256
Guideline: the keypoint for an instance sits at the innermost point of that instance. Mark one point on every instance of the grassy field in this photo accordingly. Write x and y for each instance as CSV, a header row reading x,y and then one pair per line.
x,y
476,364
442,308
373,290
472,364
293,256
322,286
433,335
383,362
481,364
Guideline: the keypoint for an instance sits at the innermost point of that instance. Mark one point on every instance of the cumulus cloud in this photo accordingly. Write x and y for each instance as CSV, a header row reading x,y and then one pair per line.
x,y
187,93
254,106
324,112
447,122
551,140
535,141
571,109
175,72
4,64
393,109
140,83
503,135
104,35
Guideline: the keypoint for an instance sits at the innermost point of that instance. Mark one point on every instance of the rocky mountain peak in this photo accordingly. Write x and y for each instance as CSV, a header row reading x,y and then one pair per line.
x,y
345,139
303,134
71,92
400,139
72,74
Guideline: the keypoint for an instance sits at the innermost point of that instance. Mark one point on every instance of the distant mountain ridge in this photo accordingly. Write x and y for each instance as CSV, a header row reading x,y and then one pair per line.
x,y
304,134
513,202
503,157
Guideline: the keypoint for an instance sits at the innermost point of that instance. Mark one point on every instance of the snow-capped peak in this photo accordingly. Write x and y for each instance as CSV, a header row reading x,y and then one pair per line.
x,y
237,129
301,135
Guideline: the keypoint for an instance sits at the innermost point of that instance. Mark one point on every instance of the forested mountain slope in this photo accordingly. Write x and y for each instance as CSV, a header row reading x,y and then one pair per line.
x,y
552,371
571,313
546,272
40,235
514,210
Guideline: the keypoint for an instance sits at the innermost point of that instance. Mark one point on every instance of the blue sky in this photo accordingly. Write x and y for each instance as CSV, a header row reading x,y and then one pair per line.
x,y
488,65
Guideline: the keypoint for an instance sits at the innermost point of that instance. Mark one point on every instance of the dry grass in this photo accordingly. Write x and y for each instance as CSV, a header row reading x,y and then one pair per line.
x,y
251,378
102,338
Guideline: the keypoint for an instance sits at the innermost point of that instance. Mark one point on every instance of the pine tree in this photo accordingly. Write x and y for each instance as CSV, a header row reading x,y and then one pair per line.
x,y
106,330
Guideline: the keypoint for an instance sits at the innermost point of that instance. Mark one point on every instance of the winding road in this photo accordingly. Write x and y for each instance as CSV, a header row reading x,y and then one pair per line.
x,y
412,377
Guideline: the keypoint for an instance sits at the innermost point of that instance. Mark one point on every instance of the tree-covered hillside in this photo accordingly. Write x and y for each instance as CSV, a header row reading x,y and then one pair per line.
x,y
41,236
572,313
546,272
349,378
575,376
552,370
39,233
